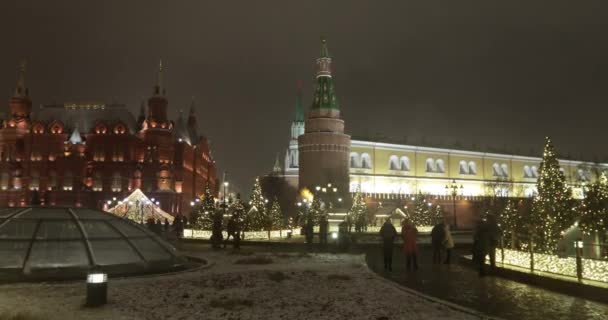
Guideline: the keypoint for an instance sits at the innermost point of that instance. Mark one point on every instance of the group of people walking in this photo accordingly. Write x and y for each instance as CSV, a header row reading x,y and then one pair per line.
x,y
486,238
441,238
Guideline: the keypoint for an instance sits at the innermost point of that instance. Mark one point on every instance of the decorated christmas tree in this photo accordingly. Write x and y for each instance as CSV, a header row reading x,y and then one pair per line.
x,y
314,212
358,212
205,210
509,220
553,207
594,209
256,216
237,212
274,219
421,213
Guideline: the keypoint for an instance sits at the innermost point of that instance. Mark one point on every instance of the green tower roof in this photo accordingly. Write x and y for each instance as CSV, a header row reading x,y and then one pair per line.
x,y
299,105
325,92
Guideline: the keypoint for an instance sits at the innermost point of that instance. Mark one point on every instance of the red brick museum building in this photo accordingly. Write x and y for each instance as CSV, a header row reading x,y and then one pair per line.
x,y
86,154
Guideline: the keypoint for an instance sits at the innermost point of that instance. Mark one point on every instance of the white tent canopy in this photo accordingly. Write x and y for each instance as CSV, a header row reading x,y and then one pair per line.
x,y
138,207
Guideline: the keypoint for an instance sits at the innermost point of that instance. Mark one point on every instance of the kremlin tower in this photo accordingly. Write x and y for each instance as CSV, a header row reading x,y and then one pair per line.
x,y
324,148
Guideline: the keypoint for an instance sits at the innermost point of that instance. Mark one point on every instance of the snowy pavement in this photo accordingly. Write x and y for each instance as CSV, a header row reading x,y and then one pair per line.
x,y
243,285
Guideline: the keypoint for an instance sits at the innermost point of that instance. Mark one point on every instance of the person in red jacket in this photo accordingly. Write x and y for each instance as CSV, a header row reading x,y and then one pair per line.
x,y
409,234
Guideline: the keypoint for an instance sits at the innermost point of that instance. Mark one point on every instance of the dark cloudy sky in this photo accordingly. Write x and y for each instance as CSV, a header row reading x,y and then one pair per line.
x,y
493,74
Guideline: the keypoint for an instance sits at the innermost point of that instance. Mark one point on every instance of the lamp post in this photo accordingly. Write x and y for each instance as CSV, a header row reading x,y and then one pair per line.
x,y
97,288
454,192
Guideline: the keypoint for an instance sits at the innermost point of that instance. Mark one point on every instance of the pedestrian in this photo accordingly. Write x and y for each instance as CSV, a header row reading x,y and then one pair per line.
x,y
309,232
343,233
230,230
216,229
166,226
409,234
437,237
480,244
388,234
448,244
323,229
178,226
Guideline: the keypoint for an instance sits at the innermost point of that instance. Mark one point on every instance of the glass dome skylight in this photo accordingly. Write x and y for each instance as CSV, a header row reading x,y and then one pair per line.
x,y
39,242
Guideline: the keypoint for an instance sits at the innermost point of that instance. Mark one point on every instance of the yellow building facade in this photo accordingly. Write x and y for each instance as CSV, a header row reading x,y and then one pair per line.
x,y
394,169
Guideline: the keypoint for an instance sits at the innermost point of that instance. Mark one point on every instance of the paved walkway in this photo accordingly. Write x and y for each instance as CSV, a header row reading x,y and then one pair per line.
x,y
491,295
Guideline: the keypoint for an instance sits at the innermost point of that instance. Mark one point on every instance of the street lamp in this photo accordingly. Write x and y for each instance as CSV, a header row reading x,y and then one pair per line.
x,y
454,188
97,289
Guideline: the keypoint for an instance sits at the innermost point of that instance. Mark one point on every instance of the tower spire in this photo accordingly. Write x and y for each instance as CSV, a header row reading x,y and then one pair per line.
x,y
158,89
325,94
20,89
299,117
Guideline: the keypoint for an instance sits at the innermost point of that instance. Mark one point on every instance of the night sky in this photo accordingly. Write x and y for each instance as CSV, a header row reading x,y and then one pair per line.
x,y
477,74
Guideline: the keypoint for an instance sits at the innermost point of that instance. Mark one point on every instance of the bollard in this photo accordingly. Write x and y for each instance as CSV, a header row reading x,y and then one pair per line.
x,y
97,289
578,246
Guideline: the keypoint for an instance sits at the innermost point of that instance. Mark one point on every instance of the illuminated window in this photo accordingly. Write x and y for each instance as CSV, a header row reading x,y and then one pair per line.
x,y
354,160
472,168
393,163
504,169
52,184
440,166
119,129
366,161
68,181
496,170
404,163
56,128
430,165
4,180
464,168
35,182
99,154
97,182
116,182
527,172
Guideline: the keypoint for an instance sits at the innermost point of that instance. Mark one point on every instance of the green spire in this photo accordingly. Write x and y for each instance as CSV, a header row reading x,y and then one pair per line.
x,y
324,51
299,105
325,93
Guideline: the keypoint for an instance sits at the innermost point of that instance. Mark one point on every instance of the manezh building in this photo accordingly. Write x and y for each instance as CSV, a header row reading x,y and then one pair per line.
x,y
320,152
88,154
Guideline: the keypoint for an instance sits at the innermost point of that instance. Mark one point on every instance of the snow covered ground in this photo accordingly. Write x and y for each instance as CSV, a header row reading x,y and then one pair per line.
x,y
242,285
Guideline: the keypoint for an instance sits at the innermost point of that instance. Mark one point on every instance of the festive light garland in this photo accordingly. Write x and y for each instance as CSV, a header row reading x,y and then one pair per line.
x,y
596,270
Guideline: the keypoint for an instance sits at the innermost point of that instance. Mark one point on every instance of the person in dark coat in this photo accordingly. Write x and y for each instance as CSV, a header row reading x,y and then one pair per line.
x,y
230,230
216,230
166,226
309,232
485,240
323,229
178,226
437,238
388,234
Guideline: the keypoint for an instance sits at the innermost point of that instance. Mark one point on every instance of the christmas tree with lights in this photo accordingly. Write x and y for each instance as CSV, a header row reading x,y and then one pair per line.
x,y
553,207
421,213
237,212
205,210
358,212
314,212
256,217
509,220
274,219
594,209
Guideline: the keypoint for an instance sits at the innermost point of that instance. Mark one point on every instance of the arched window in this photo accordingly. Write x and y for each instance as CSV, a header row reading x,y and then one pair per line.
x,y
35,180
119,128
116,182
68,181
430,165
354,160
464,168
472,168
56,127
101,128
496,170
366,161
504,170
440,166
164,181
534,170
404,163
582,175
97,182
527,172
52,184
393,163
